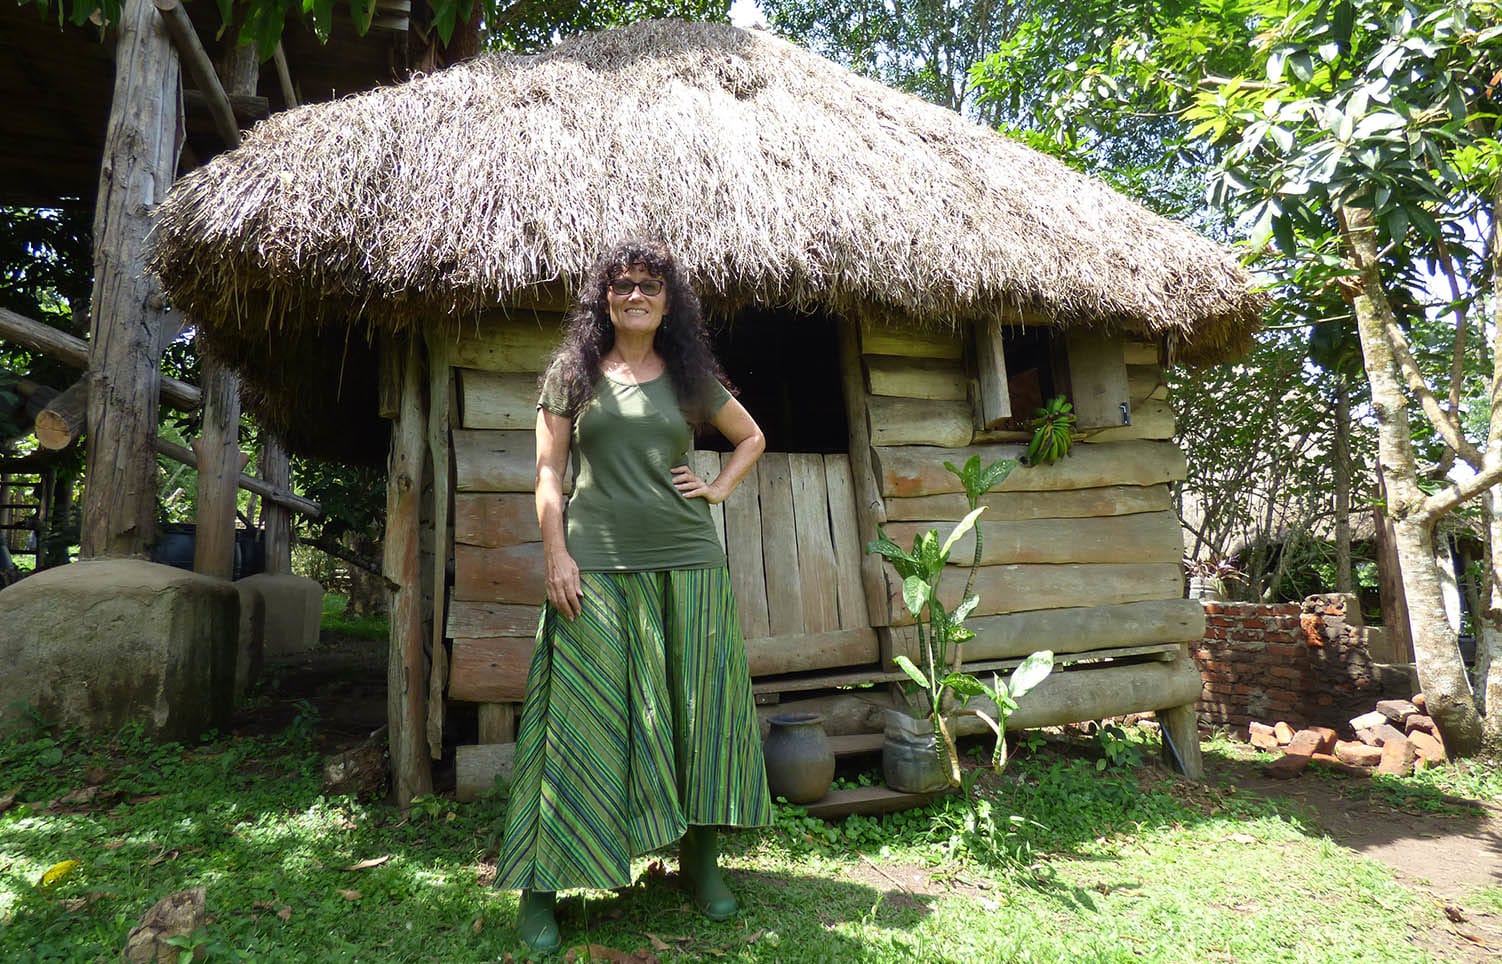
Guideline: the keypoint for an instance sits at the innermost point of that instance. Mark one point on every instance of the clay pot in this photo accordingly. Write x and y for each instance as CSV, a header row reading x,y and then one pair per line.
x,y
912,757
800,759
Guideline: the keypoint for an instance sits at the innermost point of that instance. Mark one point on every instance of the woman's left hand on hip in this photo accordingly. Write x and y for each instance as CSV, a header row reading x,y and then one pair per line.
x,y
690,486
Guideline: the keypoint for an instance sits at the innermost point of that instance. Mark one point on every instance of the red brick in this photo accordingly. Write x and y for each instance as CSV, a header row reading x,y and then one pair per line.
x,y
1335,763
1358,754
1283,732
1419,721
1418,700
1287,766
1426,746
1305,743
1397,758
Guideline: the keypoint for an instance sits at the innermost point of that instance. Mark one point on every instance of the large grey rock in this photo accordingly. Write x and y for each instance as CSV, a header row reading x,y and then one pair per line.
x,y
294,610
99,644
250,656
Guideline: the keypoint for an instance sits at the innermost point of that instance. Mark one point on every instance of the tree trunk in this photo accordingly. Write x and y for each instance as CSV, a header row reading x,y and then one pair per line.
x,y
1342,459
219,463
1489,619
1441,671
125,344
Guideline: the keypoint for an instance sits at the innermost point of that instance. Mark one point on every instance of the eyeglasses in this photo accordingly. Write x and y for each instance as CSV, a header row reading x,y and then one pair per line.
x,y
624,286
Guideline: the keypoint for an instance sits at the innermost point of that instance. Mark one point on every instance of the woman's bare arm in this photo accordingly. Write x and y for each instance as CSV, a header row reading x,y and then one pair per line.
x,y
562,574
737,425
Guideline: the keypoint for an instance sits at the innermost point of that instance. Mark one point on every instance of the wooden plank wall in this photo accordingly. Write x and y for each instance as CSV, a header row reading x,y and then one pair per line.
x,y
1081,555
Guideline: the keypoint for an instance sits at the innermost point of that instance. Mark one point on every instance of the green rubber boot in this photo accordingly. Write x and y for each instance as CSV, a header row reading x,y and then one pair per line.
x,y
698,865
535,921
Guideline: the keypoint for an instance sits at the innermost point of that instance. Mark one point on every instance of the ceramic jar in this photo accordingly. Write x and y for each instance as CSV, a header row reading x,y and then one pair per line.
x,y
800,759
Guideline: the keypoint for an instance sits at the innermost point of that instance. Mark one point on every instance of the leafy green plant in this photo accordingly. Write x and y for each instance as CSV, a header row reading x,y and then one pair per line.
x,y
1117,751
1053,432
939,628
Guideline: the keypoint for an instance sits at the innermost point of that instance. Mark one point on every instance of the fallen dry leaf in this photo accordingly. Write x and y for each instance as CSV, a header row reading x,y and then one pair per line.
x,y
163,855
658,944
1455,914
285,913
7,800
1243,838
367,864
351,894
112,844
477,926
754,937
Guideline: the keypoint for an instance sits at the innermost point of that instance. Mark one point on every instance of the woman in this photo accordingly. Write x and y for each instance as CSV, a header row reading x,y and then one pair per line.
x,y
638,727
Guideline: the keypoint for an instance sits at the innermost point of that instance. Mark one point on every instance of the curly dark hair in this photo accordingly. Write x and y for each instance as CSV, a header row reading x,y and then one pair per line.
x,y
681,339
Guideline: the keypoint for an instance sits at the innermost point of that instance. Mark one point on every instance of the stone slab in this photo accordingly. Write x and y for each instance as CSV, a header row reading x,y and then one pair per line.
x,y
100,644
250,655
294,611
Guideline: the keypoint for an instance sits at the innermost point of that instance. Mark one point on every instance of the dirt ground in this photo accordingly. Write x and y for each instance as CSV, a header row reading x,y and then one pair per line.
x,y
1442,856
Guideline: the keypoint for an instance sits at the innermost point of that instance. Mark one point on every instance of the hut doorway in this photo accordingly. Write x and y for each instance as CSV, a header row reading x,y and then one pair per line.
x,y
789,531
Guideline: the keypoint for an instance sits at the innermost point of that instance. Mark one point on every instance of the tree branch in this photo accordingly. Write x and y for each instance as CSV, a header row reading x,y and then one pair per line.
x,y
1444,423
1444,500
333,548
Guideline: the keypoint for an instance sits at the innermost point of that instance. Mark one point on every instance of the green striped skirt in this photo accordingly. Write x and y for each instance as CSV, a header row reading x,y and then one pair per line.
x,y
638,721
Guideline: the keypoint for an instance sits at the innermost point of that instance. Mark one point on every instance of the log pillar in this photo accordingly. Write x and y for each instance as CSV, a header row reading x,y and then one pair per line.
x,y
218,445
276,519
406,679
127,331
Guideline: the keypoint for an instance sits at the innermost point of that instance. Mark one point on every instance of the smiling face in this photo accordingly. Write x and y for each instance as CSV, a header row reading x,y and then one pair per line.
x,y
635,312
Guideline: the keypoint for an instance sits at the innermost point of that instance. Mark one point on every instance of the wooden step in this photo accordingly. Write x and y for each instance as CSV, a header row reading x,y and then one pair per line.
x,y
857,743
865,800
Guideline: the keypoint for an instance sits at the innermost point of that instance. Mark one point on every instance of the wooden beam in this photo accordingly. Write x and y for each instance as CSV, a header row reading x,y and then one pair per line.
x,y
406,681
995,401
1106,500
129,317
63,347
916,470
869,510
932,378
916,421
802,652
249,483
196,59
1143,537
1073,630
440,397
284,76
58,424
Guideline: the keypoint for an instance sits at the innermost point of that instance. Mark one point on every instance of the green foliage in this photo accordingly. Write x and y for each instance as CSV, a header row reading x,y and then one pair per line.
x,y
526,25
375,628
939,628
1116,748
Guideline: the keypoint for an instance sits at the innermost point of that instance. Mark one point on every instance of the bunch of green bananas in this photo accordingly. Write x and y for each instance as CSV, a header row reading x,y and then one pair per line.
x,y
1052,432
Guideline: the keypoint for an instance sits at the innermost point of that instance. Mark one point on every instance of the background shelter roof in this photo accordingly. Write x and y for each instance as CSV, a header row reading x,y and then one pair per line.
x,y
778,177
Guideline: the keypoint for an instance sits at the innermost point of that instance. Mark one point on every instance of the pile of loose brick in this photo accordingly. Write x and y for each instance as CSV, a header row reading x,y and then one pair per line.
x,y
1396,738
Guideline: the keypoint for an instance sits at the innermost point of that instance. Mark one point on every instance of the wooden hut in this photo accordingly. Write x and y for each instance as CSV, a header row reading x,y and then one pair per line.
x,y
892,286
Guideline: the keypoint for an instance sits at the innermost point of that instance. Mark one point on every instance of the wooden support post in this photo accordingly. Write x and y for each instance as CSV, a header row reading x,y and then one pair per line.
x,y
440,387
869,509
126,340
406,680
1181,740
276,472
63,347
220,460
219,463
196,59
284,77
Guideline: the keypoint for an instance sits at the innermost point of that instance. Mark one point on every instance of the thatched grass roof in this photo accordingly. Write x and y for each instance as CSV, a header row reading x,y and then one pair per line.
x,y
777,177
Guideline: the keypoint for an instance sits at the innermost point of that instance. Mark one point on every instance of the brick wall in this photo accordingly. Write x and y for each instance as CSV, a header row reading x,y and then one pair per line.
x,y
1305,663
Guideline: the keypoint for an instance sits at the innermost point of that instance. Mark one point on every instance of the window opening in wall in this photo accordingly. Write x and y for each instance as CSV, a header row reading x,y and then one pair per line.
x,y
1037,370
786,366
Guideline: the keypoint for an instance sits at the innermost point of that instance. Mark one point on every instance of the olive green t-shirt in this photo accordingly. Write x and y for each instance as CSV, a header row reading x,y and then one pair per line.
x,y
624,514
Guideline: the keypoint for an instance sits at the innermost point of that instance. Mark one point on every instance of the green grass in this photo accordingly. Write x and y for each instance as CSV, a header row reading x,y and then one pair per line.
x,y
361,627
1057,861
